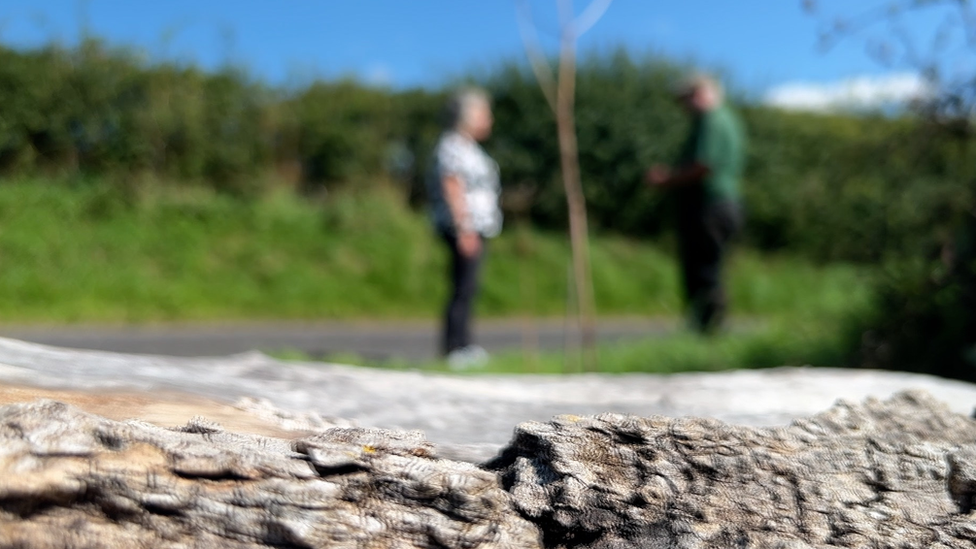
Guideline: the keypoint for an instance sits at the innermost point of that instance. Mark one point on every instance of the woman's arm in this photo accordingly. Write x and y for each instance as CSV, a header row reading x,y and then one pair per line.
x,y
469,241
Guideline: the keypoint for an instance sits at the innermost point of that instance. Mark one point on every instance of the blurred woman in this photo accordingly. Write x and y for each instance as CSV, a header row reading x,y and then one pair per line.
x,y
463,187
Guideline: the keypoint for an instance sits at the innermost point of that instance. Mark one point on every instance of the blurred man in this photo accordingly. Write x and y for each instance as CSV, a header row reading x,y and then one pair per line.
x,y
705,182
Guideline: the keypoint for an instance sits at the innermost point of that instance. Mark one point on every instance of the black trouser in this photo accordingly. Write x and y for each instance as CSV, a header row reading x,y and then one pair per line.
x,y
704,234
464,273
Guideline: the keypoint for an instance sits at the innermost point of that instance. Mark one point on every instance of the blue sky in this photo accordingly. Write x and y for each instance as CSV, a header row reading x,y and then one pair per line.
x,y
765,44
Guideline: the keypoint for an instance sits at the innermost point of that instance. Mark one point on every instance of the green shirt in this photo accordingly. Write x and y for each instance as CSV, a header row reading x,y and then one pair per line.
x,y
717,141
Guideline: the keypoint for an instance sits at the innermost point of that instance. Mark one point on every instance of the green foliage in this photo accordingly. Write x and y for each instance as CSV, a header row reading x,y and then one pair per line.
x,y
870,189
792,340
84,251
923,318
625,119
829,187
228,241
342,129
832,187
95,110
777,343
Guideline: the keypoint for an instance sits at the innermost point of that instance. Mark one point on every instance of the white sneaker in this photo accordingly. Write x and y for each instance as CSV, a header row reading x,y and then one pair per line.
x,y
466,358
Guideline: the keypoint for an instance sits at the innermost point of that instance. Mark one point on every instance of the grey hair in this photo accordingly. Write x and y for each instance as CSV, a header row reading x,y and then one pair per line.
x,y
699,80
461,102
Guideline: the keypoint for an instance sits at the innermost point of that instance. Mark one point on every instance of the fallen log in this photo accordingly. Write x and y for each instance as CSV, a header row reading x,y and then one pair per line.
x,y
895,473
883,474
69,479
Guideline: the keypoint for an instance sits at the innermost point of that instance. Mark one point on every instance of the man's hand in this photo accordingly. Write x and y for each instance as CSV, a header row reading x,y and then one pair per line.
x,y
469,243
658,176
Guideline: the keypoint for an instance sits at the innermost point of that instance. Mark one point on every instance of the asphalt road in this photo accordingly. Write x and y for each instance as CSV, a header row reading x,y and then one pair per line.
x,y
413,341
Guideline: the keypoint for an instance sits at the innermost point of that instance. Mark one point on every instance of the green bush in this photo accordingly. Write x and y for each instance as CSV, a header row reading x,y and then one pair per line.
x,y
923,315
831,187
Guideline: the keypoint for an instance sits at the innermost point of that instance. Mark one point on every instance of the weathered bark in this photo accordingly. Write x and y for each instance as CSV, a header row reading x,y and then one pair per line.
x,y
72,480
899,473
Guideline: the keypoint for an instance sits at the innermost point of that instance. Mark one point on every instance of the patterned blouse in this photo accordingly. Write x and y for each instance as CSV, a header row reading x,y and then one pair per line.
x,y
462,157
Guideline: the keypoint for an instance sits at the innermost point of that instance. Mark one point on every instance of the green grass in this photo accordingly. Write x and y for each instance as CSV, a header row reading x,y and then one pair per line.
x,y
754,344
86,252
772,344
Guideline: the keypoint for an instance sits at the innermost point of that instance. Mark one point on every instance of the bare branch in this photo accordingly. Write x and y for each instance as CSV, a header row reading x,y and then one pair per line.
x,y
943,35
908,46
842,28
950,100
559,90
969,23
590,16
567,60
537,58
566,17
900,46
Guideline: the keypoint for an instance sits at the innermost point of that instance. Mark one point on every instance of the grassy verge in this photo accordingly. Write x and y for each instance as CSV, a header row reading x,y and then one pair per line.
x,y
753,344
86,252
774,343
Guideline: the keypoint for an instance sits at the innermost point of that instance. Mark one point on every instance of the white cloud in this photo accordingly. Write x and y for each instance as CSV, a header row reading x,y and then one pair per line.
x,y
862,92
379,74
